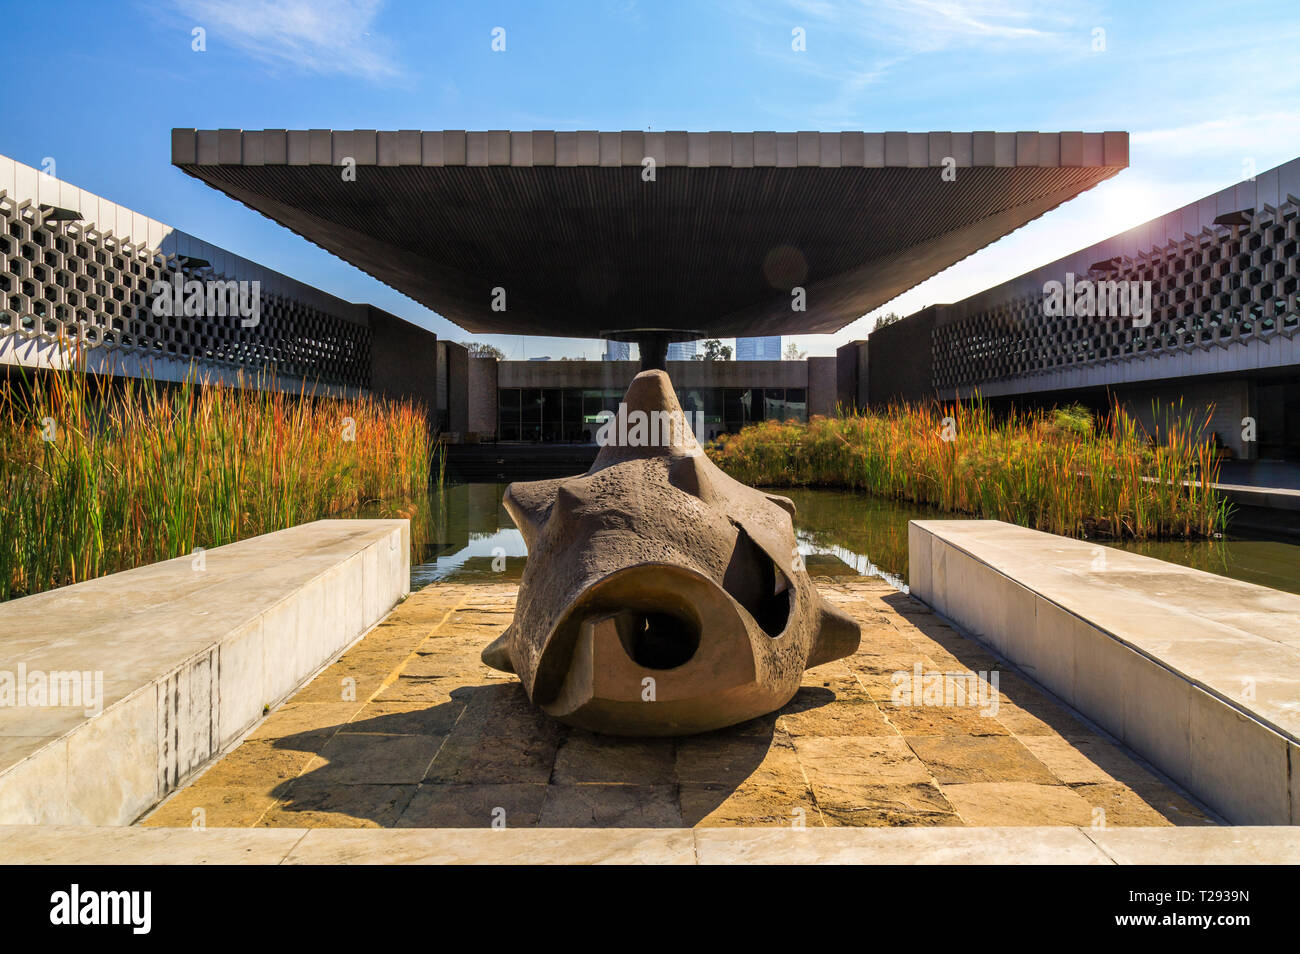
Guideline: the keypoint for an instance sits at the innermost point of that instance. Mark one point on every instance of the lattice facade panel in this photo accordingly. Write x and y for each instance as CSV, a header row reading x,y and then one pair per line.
x,y
75,282
1224,286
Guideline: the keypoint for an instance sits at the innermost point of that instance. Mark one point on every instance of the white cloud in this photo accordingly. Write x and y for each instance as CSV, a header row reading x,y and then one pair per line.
x,y
316,36
1241,134
903,28
857,49
927,25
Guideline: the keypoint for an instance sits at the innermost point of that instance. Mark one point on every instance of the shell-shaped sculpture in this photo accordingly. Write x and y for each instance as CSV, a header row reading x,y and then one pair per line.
x,y
661,597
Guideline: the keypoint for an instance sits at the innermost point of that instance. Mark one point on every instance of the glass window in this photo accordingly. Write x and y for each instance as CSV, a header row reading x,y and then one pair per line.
x,y
573,432
552,402
593,402
713,405
735,408
773,403
530,405
508,406
693,399
796,404
573,415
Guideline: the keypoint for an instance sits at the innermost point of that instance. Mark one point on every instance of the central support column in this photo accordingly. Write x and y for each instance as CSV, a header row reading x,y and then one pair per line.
x,y
653,343
654,352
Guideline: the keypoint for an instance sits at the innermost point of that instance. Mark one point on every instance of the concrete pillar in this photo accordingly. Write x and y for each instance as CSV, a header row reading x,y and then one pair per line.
x,y
864,381
482,398
850,375
457,391
654,351
821,386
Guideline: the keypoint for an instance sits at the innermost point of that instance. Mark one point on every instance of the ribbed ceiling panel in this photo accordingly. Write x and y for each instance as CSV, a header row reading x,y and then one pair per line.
x,y
581,249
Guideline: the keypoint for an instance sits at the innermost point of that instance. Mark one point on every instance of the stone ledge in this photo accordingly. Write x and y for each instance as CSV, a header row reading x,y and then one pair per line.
x,y
188,660
1270,498
876,846
1197,673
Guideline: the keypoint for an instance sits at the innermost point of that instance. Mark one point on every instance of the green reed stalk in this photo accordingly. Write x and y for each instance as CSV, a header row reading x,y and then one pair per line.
x,y
100,474
1056,470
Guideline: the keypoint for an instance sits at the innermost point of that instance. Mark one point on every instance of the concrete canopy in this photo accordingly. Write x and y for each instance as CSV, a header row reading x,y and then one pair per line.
x,y
584,245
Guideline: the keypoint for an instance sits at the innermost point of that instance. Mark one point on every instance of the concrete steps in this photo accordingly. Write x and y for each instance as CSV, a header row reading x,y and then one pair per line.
x,y
704,846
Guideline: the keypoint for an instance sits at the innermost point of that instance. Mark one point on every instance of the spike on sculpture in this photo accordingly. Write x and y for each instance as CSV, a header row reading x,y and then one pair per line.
x,y
661,597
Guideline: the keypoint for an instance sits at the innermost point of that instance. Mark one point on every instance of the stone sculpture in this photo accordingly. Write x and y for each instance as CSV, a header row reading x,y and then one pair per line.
x,y
661,597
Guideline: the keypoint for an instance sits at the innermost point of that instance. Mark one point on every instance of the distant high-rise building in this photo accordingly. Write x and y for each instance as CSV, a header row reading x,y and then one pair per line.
x,y
758,349
683,350
618,351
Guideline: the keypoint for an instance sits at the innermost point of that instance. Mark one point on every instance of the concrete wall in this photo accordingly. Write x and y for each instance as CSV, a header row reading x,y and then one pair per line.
x,y
566,374
403,359
864,373
1220,402
851,374
458,409
822,386
482,377
900,362
684,374
188,654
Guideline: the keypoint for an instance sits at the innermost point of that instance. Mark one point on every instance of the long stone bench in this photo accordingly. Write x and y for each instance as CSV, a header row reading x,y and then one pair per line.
x,y
186,654
1198,673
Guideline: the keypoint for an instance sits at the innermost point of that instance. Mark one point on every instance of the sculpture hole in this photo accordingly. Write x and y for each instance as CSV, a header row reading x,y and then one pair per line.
x,y
658,640
758,584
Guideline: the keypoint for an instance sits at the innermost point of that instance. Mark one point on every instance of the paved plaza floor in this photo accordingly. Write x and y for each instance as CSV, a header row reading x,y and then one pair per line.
x,y
410,729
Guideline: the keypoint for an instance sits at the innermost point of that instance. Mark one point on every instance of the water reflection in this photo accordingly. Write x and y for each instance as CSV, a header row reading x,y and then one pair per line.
x,y
1252,557
473,539
465,535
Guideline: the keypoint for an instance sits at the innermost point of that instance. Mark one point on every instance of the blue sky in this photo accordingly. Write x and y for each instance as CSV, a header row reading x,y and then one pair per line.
x,y
1204,92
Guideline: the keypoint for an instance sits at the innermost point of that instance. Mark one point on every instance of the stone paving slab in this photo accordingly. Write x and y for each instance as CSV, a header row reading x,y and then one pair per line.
x,y
410,730
877,846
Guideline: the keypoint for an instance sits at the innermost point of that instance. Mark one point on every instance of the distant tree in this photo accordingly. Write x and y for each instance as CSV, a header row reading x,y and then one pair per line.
x,y
888,319
478,349
792,352
714,350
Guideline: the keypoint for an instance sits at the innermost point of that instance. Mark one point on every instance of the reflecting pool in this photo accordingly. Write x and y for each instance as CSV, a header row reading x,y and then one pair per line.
x,y
469,537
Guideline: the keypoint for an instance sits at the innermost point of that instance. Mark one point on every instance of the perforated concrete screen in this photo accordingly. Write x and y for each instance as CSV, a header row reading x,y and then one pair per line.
x,y
68,276
579,233
86,287
1227,285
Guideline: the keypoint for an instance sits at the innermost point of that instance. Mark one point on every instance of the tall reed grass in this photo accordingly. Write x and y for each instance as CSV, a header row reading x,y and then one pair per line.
x,y
99,475
1057,471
